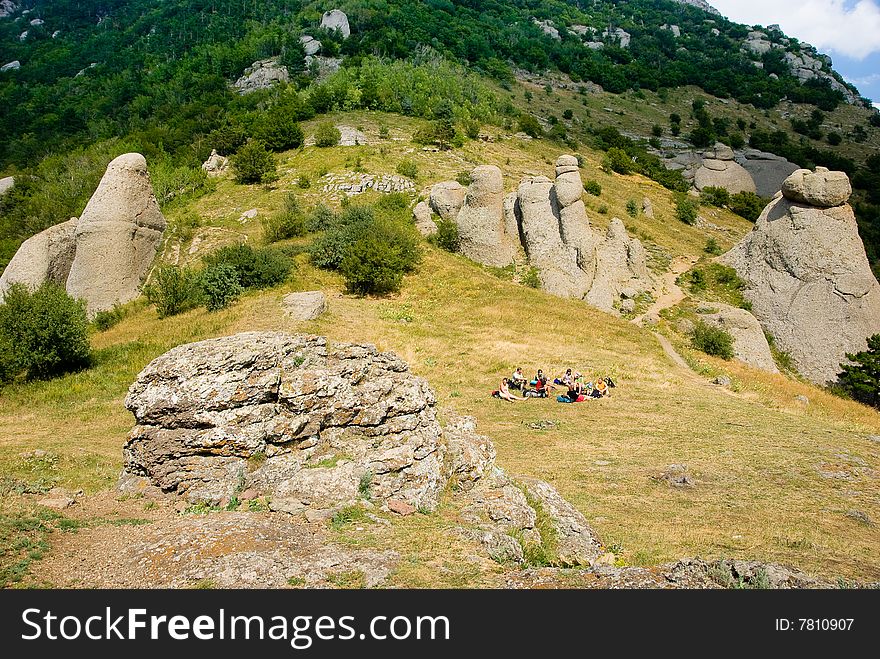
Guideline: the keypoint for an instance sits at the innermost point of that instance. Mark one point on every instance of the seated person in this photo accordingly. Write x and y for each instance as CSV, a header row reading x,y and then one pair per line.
x,y
504,392
565,380
601,389
517,380
540,385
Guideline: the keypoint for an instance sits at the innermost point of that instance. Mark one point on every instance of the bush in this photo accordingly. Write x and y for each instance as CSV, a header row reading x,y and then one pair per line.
x,y
531,279
44,333
747,205
105,320
712,247
632,208
303,182
320,218
463,178
377,256
603,209
712,340
860,378
327,135
289,223
686,209
279,131
220,286
172,290
409,169
712,196
254,164
657,131
255,268
617,160
328,250
593,187
530,125
446,236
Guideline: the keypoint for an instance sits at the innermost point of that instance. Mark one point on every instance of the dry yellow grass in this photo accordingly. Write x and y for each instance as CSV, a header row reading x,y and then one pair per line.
x,y
775,480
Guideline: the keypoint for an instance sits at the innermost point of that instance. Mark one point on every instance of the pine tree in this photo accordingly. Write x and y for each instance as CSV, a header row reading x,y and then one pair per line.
x,y
861,378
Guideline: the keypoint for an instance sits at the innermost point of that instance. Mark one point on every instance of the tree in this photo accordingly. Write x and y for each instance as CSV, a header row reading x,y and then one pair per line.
x,y
861,377
254,164
327,135
279,131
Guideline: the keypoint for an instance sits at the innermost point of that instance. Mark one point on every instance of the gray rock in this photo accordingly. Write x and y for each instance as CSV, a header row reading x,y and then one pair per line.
x,y
749,343
767,170
627,306
44,257
481,226
263,74
446,199
310,45
676,475
424,219
700,4
350,136
647,208
215,165
722,381
810,283
6,184
305,306
547,28
336,19
117,236
822,188
724,173
14,65
576,543
7,8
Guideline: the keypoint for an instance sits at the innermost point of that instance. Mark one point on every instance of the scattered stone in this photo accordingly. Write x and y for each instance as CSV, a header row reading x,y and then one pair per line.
x,y
36,454
803,400
14,65
543,425
627,306
263,74
57,499
336,20
117,236
808,278
248,215
401,508
311,46
874,438
349,136
353,184
547,28
304,306
249,495
722,381
676,475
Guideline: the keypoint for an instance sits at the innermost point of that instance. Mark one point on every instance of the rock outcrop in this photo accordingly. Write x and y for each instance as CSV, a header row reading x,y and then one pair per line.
x,y
446,199
313,428
6,184
749,343
480,220
14,65
304,306
44,257
424,219
310,45
722,171
807,275
116,237
767,170
263,74
215,165
336,19
7,8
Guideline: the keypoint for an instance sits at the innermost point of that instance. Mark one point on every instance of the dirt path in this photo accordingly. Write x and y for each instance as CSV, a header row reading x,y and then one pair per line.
x,y
670,293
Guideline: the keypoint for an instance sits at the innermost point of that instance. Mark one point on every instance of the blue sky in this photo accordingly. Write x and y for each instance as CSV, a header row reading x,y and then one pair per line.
x,y
848,30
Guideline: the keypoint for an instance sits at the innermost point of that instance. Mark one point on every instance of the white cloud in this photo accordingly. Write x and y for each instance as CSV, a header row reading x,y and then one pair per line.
x,y
842,26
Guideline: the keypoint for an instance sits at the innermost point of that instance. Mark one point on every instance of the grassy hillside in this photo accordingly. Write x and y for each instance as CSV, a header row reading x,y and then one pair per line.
x,y
776,479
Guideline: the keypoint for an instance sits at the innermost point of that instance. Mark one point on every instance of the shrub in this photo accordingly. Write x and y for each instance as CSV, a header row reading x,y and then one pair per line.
x,y
593,187
279,131
712,196
747,205
860,378
712,247
289,223
686,210
254,164
320,218
220,286
105,320
530,125
632,208
834,139
447,236
472,129
172,290
304,182
617,160
327,135
603,209
409,169
463,178
657,131
530,278
255,268
328,250
712,340
43,333
377,256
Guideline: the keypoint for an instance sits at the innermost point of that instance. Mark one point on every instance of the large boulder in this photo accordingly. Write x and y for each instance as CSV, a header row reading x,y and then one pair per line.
x,y
720,170
446,199
6,184
424,219
336,19
313,428
822,188
749,343
215,165
117,236
808,278
263,74
481,227
767,170
44,257
621,268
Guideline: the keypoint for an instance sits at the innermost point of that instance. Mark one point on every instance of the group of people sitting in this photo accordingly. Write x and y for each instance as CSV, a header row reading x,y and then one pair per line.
x,y
576,389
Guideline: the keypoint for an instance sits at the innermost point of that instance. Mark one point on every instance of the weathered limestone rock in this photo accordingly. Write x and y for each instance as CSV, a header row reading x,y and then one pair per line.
x,y
14,65
44,257
822,188
216,165
116,237
263,74
767,170
424,219
336,19
647,208
749,343
305,306
6,184
808,278
722,171
447,198
314,428
481,227
621,267
310,45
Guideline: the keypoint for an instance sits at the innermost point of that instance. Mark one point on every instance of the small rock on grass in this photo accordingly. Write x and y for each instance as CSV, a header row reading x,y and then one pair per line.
x,y
401,508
